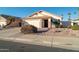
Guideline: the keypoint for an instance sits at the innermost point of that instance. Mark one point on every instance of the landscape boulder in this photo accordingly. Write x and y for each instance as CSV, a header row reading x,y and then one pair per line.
x,y
28,29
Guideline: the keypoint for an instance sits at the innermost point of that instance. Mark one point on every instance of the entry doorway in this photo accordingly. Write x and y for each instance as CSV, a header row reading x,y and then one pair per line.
x,y
45,23
20,24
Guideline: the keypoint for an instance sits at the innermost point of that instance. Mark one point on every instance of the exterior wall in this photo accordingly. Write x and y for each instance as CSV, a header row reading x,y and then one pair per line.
x,y
72,22
2,21
39,23
35,22
2,24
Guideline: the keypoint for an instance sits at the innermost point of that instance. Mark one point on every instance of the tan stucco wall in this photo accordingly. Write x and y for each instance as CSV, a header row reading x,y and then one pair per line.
x,y
34,22
38,22
2,21
2,24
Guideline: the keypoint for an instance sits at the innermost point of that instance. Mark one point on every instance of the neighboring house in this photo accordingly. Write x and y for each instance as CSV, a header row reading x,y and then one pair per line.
x,y
2,22
75,22
42,19
10,21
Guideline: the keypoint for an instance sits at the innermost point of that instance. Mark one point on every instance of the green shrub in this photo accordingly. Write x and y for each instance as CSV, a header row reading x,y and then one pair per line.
x,y
56,23
28,29
75,27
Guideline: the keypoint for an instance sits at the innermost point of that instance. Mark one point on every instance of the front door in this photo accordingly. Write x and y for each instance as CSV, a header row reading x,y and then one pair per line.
x,y
45,23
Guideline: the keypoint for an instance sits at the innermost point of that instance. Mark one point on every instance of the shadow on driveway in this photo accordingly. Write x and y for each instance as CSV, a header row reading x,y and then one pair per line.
x,y
7,46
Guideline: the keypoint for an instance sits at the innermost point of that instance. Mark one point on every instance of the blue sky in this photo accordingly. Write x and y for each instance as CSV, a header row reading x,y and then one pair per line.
x,y
25,11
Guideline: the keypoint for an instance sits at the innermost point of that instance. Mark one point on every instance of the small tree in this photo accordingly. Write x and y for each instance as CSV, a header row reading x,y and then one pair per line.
x,y
56,22
69,14
11,19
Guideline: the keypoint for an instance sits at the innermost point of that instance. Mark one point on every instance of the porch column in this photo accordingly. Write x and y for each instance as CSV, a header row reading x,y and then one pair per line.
x,y
71,23
49,23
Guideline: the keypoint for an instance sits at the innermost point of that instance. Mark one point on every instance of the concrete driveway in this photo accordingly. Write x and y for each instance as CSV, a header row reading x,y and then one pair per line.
x,y
14,35
9,32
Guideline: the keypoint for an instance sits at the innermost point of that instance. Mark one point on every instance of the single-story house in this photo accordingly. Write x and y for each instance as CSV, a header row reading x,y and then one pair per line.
x,y
2,22
74,22
42,19
9,21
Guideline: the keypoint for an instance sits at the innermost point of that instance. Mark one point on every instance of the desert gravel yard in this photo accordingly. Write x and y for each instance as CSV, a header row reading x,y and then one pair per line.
x,y
62,39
